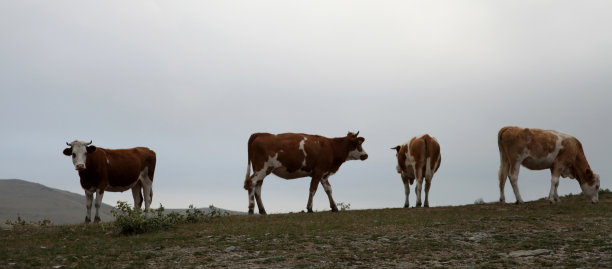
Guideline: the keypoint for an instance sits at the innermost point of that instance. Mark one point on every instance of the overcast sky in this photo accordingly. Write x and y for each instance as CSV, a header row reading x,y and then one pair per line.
x,y
193,79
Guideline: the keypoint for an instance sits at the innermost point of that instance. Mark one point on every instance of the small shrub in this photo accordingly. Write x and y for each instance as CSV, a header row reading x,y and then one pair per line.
x,y
134,221
343,206
479,201
19,222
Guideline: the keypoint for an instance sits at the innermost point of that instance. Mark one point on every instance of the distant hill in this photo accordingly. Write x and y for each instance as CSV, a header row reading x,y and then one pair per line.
x,y
34,202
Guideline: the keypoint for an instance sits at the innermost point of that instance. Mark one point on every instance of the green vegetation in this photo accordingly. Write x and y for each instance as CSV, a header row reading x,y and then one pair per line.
x,y
133,221
573,233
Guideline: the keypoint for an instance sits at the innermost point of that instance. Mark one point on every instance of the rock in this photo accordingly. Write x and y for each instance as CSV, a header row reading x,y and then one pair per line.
x,y
527,253
231,248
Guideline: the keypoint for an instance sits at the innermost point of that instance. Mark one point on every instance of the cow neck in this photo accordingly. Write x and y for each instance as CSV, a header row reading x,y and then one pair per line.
x,y
580,170
340,149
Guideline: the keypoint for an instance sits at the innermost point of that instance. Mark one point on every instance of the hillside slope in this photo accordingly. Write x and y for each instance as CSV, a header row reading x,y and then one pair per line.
x,y
34,202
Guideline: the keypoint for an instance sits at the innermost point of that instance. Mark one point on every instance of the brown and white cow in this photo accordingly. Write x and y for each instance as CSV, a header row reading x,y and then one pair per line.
x,y
539,149
417,159
291,155
114,170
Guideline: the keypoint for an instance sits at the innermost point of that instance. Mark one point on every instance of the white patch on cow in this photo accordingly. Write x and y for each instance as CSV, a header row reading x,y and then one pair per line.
x,y
546,161
79,153
428,170
591,191
410,163
302,143
355,154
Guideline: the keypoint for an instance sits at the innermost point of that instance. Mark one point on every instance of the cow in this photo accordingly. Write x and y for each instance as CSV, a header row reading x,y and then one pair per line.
x,y
114,170
417,159
295,155
538,149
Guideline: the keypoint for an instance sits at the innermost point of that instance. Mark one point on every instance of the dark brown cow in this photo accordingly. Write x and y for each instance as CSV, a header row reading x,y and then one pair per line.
x,y
417,159
291,155
114,170
539,149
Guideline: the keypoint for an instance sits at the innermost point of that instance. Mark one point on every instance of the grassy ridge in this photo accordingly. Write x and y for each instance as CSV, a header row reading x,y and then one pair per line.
x,y
573,233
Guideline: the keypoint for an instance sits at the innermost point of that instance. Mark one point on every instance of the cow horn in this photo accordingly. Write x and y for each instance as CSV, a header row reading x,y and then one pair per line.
x,y
68,144
87,144
356,134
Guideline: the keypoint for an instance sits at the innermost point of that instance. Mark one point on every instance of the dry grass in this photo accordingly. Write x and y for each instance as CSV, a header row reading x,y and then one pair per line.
x,y
573,234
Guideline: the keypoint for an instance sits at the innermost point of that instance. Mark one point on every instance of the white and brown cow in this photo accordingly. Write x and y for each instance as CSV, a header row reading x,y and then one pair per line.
x,y
291,155
544,149
114,170
420,158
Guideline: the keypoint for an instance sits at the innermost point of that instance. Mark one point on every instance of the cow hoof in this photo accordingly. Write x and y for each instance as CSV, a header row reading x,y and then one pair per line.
x,y
251,212
262,212
426,205
518,202
418,205
309,210
334,209
87,220
97,219
406,206
502,201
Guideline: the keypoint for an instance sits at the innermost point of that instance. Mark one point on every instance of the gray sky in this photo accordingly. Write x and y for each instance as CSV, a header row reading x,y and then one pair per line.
x,y
193,79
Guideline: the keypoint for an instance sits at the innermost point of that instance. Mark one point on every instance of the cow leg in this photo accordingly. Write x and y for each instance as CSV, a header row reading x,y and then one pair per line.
x,y
88,202
314,184
417,190
137,194
147,189
407,192
427,186
260,206
503,176
328,190
255,191
419,185
514,182
553,197
99,195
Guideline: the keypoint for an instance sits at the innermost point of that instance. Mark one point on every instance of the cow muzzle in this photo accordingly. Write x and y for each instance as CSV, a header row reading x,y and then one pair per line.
x,y
363,157
80,167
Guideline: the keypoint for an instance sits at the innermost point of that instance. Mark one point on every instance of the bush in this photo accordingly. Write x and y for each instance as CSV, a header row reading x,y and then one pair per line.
x,y
24,223
133,221
343,206
479,201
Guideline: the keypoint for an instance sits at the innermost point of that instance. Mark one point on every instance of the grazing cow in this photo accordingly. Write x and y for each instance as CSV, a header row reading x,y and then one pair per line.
x,y
544,149
292,156
114,170
417,159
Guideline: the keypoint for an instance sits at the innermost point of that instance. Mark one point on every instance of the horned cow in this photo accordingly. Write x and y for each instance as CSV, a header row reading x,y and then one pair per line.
x,y
417,159
538,149
114,170
292,155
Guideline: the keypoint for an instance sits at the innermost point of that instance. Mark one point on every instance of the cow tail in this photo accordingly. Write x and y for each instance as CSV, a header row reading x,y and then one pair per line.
x,y
247,182
502,151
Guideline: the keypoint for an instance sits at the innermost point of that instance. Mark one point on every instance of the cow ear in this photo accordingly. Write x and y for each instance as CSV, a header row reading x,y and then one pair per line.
x,y
397,148
361,139
67,151
91,149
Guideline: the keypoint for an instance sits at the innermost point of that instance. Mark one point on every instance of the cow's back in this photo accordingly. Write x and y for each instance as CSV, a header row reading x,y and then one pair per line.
x,y
125,165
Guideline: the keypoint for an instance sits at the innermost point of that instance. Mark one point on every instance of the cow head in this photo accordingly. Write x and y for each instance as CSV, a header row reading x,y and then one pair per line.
x,y
78,150
356,152
405,177
590,186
